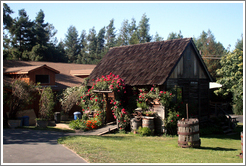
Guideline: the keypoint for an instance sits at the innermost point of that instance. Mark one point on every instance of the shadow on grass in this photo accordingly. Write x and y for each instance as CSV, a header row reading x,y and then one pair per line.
x,y
236,135
216,149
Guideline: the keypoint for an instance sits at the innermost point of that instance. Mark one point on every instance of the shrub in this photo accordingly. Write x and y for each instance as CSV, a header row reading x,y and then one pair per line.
x,y
46,103
144,131
77,124
21,96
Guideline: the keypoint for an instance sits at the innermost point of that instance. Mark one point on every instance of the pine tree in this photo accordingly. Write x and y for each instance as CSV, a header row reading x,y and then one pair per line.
x,y
83,55
110,35
92,46
123,38
158,37
143,29
100,41
208,46
71,44
7,19
21,35
173,35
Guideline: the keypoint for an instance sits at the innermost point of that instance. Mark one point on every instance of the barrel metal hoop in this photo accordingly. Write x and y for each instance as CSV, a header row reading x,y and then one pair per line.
x,y
182,133
187,125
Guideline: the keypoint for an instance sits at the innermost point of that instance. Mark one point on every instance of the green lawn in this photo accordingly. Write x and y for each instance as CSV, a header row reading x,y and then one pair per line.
x,y
130,148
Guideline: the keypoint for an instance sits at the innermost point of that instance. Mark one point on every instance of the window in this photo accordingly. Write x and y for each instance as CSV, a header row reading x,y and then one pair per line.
x,y
43,79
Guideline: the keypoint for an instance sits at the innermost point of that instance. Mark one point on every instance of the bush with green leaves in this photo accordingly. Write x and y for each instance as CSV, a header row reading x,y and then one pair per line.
x,y
70,97
46,103
231,77
22,95
145,131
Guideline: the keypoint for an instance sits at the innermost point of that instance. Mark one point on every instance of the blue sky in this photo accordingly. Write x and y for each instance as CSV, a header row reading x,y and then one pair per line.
x,y
225,20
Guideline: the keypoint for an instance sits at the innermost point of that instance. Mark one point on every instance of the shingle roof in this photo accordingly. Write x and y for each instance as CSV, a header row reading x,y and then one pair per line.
x,y
26,69
142,64
63,80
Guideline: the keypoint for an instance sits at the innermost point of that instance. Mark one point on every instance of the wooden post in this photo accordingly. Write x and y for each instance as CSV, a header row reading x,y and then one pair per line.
x,y
187,112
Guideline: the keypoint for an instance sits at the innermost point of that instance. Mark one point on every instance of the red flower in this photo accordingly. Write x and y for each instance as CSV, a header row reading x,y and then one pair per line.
x,y
171,120
161,91
170,94
96,100
165,92
177,115
81,97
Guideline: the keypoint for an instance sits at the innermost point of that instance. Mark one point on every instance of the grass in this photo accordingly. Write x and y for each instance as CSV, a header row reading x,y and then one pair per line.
x,y
130,148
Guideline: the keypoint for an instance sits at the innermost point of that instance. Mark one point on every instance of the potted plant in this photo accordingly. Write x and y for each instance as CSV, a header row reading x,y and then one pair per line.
x,y
20,96
149,113
46,105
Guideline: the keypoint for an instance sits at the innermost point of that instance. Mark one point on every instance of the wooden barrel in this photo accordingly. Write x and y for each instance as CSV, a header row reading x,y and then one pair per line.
x,y
242,143
135,123
148,122
188,131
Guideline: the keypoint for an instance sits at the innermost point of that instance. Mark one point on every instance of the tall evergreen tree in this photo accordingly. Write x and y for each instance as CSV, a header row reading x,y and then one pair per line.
x,y
7,19
100,41
71,44
83,55
207,45
123,38
22,35
92,45
173,35
133,32
7,24
143,29
158,37
110,35
41,32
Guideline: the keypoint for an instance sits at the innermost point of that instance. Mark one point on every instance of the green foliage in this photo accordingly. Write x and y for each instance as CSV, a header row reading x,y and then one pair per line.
x,y
144,131
173,35
231,74
71,44
207,44
143,29
70,97
46,103
110,35
21,96
87,123
77,125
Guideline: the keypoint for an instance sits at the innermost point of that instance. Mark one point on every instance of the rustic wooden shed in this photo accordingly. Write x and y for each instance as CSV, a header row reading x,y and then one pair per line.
x,y
165,64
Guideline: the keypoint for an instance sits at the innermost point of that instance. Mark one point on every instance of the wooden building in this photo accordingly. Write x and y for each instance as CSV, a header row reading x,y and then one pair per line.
x,y
165,64
58,76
